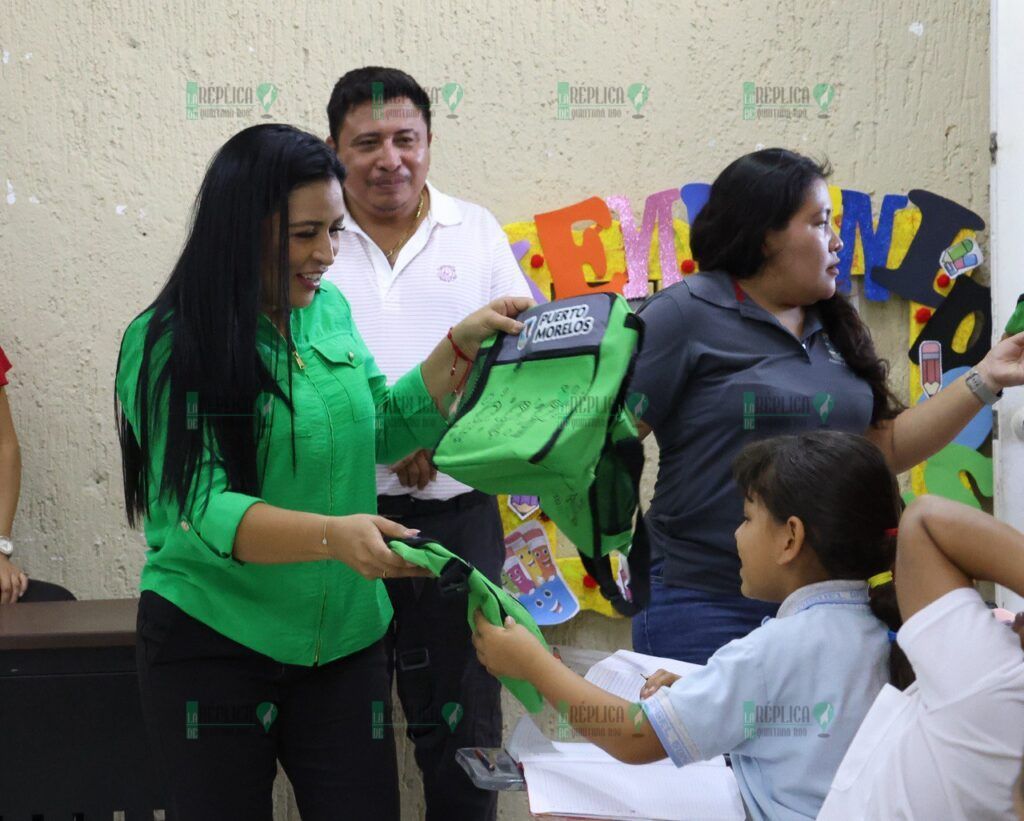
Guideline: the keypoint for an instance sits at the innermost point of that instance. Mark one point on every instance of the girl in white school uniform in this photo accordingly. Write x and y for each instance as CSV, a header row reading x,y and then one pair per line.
x,y
820,517
949,747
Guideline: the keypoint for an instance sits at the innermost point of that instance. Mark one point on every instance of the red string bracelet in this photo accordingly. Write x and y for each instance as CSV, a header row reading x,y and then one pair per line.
x,y
459,354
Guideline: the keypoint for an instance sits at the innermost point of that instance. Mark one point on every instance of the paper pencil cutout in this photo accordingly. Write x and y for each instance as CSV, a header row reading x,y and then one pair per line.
x,y
929,355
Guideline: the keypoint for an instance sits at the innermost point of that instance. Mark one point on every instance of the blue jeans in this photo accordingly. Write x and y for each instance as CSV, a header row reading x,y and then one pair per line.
x,y
690,625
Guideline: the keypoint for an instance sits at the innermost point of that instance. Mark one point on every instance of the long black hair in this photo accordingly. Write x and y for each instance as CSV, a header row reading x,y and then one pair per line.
x,y
761,192
840,487
210,308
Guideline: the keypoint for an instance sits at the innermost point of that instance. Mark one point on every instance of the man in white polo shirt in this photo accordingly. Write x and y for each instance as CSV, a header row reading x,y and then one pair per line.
x,y
413,262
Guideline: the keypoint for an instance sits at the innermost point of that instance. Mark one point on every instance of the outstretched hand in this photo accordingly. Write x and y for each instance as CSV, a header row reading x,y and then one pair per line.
x,y
1003,366
481,325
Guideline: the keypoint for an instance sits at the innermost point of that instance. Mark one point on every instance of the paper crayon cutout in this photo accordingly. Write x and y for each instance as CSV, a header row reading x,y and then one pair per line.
x,y
523,506
962,257
929,356
532,576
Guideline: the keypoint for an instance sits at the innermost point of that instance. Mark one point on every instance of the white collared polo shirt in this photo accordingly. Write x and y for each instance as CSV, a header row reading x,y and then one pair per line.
x,y
457,261
949,746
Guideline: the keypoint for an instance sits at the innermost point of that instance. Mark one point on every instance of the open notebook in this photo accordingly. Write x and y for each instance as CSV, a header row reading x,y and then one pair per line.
x,y
578,779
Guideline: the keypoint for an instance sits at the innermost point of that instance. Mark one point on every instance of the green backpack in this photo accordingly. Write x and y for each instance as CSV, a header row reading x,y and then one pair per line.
x,y
1015,324
544,414
457,577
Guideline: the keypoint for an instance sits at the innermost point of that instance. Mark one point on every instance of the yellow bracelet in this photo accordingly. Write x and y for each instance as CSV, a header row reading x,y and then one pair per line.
x,y
880,578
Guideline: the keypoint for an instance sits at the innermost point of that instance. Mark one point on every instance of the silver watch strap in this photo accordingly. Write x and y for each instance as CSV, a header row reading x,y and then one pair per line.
x,y
980,389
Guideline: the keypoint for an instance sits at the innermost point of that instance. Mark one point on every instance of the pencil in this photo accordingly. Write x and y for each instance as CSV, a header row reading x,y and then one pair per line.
x,y
483,759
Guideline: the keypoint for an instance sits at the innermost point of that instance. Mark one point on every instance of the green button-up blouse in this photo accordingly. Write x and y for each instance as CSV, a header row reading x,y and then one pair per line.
x,y
346,420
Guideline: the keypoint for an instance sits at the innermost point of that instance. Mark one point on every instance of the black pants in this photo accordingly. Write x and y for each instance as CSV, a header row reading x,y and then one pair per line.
x,y
38,591
439,677
219,717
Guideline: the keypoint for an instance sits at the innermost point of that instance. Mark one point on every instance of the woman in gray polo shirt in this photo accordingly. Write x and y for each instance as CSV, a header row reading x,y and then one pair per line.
x,y
760,344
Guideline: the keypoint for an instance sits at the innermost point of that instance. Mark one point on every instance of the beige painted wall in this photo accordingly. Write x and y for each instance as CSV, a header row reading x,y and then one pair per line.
x,y
99,164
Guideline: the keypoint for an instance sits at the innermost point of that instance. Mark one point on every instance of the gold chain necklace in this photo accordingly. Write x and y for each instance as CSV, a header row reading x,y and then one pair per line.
x,y
415,221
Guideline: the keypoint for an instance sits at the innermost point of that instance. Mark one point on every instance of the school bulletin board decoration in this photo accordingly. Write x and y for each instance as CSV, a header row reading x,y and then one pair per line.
x,y
918,247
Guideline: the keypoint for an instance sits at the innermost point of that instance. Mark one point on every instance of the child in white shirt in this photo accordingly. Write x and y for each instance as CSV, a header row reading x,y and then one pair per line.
x,y
819,521
949,747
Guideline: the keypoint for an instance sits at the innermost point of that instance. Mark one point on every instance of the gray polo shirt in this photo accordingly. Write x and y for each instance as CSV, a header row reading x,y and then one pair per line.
x,y
718,371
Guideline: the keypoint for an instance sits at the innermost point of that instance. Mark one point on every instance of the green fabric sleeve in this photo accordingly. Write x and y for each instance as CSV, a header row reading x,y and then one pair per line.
x,y
213,512
407,418
483,595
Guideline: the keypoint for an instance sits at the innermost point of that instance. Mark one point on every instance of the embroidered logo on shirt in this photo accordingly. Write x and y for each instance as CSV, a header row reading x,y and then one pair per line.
x,y
834,356
446,273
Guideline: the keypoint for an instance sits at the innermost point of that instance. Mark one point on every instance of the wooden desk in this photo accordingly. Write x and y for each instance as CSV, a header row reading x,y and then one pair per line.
x,y
70,718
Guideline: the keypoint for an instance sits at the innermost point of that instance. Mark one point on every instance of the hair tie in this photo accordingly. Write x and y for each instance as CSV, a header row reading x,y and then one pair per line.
x,y
879,579
891,531
892,636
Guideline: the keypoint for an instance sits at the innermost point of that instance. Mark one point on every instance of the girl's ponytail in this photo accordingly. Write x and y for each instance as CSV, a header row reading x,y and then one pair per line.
x,y
883,604
841,488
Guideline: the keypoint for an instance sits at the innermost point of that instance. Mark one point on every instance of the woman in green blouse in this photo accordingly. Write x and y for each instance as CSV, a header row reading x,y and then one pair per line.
x,y
251,418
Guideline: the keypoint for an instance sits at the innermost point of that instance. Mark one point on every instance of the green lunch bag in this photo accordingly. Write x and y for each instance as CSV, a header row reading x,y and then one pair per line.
x,y
544,414
457,577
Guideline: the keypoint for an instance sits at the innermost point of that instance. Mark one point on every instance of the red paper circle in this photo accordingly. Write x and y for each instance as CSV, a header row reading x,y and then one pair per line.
x,y
536,261
922,315
944,280
688,266
589,581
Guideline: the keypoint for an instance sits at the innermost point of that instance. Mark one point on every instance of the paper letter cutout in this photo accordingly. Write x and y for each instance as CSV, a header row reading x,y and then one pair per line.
x,y
942,474
657,211
941,221
966,297
694,196
566,259
874,241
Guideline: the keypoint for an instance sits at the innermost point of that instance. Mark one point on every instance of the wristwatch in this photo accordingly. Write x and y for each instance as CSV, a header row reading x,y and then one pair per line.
x,y
6,546
980,389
